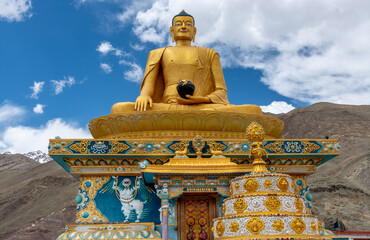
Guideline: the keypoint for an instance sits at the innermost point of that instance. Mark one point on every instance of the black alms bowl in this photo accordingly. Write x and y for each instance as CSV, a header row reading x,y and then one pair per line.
x,y
185,87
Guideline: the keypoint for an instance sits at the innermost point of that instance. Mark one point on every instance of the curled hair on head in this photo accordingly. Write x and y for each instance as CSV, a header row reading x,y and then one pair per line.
x,y
183,13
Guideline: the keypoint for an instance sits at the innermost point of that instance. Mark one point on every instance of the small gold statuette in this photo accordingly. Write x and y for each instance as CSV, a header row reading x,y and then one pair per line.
x,y
298,204
234,226
255,225
251,185
220,228
223,208
278,225
267,183
272,203
313,226
231,190
283,184
240,205
236,186
298,225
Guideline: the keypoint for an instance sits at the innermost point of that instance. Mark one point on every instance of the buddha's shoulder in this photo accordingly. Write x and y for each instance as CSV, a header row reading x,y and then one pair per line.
x,y
157,51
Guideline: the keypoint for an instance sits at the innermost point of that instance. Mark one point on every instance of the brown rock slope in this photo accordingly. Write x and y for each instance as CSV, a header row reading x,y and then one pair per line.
x,y
340,188
35,200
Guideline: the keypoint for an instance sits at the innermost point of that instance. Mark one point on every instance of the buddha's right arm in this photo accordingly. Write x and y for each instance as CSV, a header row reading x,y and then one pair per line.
x,y
147,90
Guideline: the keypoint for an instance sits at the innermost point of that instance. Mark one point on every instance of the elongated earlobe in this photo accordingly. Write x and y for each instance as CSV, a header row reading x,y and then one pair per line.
x,y
172,34
195,32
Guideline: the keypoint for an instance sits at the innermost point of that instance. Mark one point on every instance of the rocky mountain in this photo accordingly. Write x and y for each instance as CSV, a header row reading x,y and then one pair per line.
x,y
39,156
37,200
340,188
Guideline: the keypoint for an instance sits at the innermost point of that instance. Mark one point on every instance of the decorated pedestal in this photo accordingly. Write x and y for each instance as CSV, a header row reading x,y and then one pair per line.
x,y
139,182
265,204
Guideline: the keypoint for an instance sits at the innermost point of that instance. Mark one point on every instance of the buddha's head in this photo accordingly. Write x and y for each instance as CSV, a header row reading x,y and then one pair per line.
x,y
183,27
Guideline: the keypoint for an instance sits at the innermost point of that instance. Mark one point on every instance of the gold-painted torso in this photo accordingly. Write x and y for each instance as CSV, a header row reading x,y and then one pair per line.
x,y
177,63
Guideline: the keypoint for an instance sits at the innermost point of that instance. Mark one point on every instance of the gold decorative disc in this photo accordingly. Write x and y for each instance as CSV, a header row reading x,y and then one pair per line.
x,y
220,228
272,203
255,225
278,225
298,225
240,205
283,184
267,183
234,226
251,185
236,186
298,204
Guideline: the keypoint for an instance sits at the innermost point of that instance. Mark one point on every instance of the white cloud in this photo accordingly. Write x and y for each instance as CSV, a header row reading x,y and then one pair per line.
x,y
36,89
309,50
106,67
137,47
10,113
277,107
15,10
23,139
106,47
60,84
135,74
39,108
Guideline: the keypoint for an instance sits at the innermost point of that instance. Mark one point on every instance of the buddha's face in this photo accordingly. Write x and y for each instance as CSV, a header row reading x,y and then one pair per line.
x,y
183,28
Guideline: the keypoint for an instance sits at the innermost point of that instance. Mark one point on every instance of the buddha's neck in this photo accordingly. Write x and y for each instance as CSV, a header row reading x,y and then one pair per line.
x,y
183,43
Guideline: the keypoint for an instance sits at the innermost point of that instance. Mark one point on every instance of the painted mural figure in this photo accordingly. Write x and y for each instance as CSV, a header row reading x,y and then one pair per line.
x,y
127,192
190,234
203,234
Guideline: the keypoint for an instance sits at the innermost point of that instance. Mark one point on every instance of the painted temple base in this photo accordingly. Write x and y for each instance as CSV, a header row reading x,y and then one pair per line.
x,y
177,124
177,181
110,231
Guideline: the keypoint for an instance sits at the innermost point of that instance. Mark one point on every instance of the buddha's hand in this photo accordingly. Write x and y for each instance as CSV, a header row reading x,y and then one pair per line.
x,y
142,103
193,100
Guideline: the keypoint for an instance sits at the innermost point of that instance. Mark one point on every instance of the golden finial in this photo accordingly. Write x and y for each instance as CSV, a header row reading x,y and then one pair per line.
x,y
256,134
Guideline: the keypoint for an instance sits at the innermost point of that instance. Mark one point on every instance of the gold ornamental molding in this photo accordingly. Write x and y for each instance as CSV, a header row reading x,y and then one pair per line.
x,y
166,123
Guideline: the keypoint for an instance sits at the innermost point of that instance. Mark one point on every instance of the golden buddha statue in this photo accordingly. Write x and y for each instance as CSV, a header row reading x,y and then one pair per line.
x,y
166,67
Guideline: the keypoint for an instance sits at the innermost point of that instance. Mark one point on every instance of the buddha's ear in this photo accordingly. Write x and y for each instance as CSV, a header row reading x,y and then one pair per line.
x,y
195,32
172,34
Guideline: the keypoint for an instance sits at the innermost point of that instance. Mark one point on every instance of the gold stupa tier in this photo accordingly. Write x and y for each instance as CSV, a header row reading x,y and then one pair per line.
x,y
180,124
263,193
264,206
262,183
274,226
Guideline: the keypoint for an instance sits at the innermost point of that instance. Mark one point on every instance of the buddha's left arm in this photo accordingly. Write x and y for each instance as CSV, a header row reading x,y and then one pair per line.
x,y
219,95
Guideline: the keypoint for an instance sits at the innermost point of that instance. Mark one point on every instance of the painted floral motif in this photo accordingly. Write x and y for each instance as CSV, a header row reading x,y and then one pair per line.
x,y
234,226
292,147
82,199
278,225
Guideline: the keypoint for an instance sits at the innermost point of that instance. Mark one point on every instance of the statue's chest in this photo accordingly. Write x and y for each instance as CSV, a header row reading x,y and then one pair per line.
x,y
180,56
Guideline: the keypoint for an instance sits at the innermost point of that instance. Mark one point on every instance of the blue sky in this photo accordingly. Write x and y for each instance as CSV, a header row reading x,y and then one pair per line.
x,y
63,63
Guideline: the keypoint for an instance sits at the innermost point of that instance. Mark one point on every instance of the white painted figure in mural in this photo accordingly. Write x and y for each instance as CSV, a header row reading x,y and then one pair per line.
x,y
127,192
